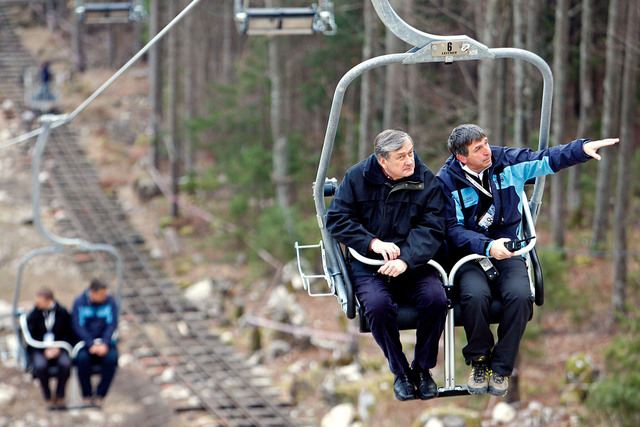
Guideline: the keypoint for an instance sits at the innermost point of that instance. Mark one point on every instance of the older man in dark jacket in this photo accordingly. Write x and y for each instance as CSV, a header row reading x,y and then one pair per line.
x,y
49,321
390,204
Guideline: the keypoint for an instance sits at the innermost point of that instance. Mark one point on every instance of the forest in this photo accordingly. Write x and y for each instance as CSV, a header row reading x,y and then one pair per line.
x,y
237,121
247,116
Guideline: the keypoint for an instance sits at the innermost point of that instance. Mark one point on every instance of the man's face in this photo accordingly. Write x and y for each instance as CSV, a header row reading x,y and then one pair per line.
x,y
479,156
43,303
99,296
400,163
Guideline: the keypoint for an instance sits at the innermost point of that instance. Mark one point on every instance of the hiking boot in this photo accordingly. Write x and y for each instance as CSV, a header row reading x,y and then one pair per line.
x,y
479,376
498,384
403,388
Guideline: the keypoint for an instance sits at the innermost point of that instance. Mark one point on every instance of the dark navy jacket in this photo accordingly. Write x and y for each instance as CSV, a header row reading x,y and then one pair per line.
x,y
511,168
61,327
408,212
94,321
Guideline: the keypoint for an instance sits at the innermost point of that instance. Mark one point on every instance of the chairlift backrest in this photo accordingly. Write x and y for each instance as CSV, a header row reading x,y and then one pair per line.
x,y
285,20
110,12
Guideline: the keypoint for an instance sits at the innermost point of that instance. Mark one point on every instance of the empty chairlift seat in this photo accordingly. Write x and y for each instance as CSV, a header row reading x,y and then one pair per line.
x,y
285,20
110,12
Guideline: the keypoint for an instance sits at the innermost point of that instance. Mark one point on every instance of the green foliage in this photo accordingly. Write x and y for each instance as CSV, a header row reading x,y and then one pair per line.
x,y
559,295
616,398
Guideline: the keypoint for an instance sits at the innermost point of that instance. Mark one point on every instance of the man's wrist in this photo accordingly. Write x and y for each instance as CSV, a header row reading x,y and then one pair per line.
x,y
371,243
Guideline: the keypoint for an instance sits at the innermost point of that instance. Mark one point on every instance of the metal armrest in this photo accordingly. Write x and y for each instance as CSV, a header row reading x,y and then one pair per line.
x,y
30,341
371,261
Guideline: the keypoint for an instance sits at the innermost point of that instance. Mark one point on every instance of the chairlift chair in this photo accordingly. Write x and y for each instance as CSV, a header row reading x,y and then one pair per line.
x,y
428,48
285,20
123,12
60,245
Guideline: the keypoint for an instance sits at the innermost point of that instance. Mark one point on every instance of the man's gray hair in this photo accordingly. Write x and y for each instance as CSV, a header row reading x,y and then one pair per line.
x,y
388,141
462,136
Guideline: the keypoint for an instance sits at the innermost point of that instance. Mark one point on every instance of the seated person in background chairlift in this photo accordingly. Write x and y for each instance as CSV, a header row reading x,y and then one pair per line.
x,y
483,186
391,204
94,319
49,321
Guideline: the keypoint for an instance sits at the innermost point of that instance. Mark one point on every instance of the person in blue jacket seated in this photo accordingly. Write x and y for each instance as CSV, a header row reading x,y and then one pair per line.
x,y
47,322
94,319
483,187
390,205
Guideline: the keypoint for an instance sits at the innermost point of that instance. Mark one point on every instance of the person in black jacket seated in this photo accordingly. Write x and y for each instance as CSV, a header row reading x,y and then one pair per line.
x,y
94,319
49,321
390,204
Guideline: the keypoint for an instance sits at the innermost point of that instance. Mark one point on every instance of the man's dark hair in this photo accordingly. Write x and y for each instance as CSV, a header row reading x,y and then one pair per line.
x,y
97,285
45,293
388,141
462,136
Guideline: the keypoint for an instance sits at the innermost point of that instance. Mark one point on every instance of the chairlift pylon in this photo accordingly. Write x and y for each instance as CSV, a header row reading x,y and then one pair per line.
x,y
317,18
428,48
123,12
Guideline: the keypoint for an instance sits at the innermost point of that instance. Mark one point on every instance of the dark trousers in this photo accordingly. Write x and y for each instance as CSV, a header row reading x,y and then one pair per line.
x,y
41,371
476,293
108,365
379,295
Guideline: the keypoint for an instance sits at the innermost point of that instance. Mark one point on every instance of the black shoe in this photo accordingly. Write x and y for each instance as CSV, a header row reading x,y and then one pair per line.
x,y
403,388
425,385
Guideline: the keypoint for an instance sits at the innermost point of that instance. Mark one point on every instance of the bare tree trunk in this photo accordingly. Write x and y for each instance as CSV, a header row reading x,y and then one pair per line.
x,y
111,45
413,76
78,45
520,134
189,52
155,83
393,81
500,114
628,114
227,36
51,16
365,88
487,24
280,158
560,64
574,196
532,43
172,101
610,119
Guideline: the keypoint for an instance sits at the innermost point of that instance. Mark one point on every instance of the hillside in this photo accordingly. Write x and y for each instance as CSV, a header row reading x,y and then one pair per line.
x,y
575,318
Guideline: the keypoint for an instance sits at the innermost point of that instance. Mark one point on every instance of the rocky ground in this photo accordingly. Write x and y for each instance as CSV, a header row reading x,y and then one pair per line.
x,y
312,368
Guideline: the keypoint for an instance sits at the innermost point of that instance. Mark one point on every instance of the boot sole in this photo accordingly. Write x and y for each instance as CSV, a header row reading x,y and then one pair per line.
x,y
499,393
482,390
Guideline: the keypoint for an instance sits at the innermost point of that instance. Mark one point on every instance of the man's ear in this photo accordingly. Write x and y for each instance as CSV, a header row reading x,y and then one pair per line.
x,y
462,159
382,161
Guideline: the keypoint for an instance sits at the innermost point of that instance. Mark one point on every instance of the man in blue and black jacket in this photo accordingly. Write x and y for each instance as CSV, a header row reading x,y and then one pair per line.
x,y
94,320
483,185
391,205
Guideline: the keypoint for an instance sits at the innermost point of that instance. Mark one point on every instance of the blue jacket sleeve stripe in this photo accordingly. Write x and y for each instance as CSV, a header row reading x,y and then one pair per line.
x,y
459,215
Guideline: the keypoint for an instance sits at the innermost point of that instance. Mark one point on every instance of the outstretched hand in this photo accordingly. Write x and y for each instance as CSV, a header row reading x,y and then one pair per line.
x,y
590,148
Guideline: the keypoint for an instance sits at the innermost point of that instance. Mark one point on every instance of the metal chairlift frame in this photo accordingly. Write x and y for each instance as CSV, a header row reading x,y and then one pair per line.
x,y
427,48
60,245
318,18
110,12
